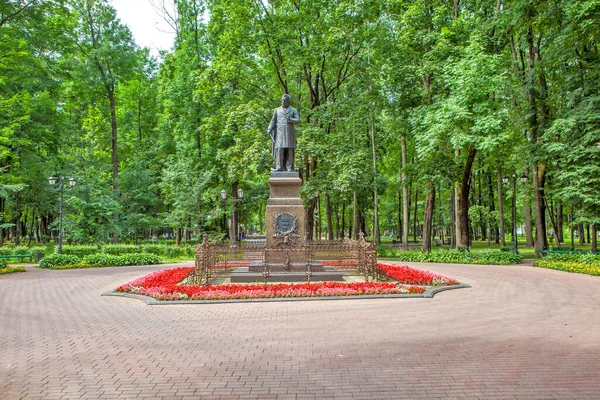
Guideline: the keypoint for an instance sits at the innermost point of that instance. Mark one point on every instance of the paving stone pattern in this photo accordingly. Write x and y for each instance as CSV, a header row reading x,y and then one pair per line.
x,y
519,333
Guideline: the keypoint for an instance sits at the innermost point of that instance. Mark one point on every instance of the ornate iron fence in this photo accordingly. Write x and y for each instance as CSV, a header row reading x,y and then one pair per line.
x,y
287,254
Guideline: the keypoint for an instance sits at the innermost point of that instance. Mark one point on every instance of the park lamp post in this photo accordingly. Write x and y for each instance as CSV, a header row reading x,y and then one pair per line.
x,y
234,214
58,184
506,179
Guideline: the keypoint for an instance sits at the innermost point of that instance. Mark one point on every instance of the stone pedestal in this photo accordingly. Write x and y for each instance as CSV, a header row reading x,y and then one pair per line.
x,y
285,211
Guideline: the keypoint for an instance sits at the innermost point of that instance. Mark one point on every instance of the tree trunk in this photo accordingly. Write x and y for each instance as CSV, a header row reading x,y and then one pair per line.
x,y
491,207
587,230
343,235
452,220
581,234
405,198
337,220
356,216
559,224
399,233
528,227
572,228
260,217
415,217
376,234
541,241
115,158
500,208
329,213
428,218
234,213
18,221
463,201
177,236
594,238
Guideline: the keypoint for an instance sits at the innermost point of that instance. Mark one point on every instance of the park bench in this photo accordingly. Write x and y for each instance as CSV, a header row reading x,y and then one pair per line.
x,y
30,256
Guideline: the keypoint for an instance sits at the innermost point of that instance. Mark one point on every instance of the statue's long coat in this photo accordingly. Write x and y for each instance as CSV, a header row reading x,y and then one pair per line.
x,y
282,131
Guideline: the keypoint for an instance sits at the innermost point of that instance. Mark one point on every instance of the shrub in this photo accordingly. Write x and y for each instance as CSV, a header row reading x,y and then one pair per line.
x,y
10,250
3,264
102,260
454,257
139,259
153,249
80,250
120,249
58,260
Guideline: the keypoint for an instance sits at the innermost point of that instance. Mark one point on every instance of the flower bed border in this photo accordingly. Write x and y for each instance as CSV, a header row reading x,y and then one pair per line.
x,y
428,293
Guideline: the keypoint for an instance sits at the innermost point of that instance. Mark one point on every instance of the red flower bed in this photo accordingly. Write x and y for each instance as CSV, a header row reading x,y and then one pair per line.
x,y
163,285
412,276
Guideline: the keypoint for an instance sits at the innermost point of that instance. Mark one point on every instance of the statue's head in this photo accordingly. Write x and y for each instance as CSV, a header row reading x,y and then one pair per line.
x,y
285,100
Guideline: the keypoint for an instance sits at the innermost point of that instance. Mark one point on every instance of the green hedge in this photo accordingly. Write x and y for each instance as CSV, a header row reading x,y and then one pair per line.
x,y
58,260
452,256
10,250
3,264
80,250
166,251
65,261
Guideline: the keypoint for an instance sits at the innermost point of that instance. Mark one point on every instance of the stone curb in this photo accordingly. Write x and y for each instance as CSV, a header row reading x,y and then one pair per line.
x,y
429,293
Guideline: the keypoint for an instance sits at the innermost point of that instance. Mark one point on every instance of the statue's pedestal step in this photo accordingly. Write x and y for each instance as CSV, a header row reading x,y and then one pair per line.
x,y
242,275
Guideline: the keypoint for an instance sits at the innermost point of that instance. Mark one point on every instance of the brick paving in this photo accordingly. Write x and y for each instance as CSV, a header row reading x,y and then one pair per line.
x,y
518,333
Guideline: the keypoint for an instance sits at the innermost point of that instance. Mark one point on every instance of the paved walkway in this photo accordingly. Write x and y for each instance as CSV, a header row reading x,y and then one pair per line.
x,y
519,333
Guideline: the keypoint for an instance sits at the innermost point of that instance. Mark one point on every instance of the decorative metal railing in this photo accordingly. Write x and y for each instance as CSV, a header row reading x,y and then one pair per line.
x,y
285,255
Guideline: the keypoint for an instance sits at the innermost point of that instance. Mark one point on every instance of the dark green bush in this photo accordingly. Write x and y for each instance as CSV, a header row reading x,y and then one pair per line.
x,y
153,249
102,260
58,260
110,260
3,264
80,250
452,256
10,250
120,249
139,259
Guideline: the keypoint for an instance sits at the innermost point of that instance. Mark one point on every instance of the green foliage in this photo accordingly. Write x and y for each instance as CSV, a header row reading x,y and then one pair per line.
x,y
63,261
107,260
3,264
578,263
58,260
11,270
102,260
138,259
9,250
452,257
79,250
121,249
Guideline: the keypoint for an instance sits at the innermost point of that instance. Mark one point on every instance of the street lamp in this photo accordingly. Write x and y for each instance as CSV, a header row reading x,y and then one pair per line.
x,y
58,184
234,213
506,179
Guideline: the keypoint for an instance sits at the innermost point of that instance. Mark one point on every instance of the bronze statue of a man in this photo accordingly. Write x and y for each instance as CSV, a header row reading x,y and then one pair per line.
x,y
283,135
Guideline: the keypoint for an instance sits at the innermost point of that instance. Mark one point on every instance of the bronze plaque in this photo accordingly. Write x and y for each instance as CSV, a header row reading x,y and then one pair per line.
x,y
286,224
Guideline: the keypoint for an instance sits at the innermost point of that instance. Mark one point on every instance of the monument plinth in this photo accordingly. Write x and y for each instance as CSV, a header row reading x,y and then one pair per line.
x,y
285,210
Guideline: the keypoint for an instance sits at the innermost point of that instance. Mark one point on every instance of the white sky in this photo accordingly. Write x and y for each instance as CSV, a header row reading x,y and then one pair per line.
x,y
149,29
